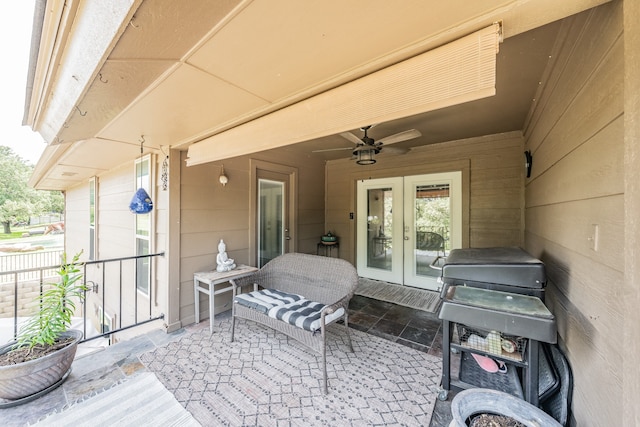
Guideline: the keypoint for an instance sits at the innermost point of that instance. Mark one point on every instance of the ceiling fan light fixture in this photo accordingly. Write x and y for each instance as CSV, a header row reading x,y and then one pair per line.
x,y
365,154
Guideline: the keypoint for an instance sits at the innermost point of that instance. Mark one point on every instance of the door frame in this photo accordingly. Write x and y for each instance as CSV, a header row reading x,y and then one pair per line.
x,y
462,165
403,268
292,173
454,179
395,274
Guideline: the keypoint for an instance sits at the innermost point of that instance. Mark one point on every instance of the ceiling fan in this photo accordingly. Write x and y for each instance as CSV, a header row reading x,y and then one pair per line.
x,y
366,147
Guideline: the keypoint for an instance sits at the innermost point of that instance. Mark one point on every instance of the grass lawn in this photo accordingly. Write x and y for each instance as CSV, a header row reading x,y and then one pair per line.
x,y
13,235
17,232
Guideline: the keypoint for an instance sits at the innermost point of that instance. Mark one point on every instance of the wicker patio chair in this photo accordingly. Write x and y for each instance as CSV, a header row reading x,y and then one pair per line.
x,y
329,281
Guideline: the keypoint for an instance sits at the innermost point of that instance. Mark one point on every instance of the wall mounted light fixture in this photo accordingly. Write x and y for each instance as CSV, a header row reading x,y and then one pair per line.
x,y
223,178
528,161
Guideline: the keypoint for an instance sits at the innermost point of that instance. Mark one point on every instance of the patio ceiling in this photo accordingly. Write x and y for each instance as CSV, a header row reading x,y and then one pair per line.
x,y
109,75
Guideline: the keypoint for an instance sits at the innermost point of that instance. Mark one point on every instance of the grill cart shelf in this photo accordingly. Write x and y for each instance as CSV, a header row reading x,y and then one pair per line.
x,y
516,322
508,269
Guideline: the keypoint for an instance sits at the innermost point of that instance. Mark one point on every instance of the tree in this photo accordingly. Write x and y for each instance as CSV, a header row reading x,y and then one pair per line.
x,y
17,200
12,211
51,201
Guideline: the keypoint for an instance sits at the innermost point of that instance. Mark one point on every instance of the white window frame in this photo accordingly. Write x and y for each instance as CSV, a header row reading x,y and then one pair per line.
x,y
148,183
93,222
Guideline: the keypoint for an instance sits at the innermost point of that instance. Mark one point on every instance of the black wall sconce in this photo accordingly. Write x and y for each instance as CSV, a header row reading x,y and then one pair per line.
x,y
528,160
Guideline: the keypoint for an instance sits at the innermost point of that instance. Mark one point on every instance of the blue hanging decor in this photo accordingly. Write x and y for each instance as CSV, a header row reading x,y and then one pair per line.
x,y
141,202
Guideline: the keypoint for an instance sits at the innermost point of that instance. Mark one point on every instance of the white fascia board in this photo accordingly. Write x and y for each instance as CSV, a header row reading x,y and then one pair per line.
x,y
75,43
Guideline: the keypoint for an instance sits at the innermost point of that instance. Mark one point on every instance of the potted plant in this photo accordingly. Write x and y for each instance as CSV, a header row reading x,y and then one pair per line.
x,y
487,407
40,359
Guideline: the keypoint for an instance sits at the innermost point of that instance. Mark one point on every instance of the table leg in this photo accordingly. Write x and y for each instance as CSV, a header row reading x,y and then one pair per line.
x,y
196,295
212,297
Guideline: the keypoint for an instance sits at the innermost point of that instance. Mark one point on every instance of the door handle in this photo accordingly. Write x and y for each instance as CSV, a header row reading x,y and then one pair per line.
x,y
287,238
406,237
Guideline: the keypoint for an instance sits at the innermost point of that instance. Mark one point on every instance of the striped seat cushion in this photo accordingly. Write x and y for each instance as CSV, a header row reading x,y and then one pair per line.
x,y
290,308
304,314
266,299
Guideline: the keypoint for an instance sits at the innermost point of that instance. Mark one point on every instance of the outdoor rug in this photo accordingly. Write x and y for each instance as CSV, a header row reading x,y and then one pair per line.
x,y
407,296
139,401
266,379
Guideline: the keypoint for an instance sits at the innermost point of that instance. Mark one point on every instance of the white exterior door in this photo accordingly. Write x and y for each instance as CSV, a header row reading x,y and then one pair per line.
x,y
405,223
432,224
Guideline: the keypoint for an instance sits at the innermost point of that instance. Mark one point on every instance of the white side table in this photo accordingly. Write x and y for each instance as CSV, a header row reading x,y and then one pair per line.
x,y
213,278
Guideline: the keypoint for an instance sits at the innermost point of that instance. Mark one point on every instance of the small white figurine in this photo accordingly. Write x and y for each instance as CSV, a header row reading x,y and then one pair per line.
x,y
224,262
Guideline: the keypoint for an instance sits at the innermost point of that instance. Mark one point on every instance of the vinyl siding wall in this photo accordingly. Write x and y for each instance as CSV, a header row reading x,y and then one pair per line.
x,y
576,135
210,212
492,187
115,228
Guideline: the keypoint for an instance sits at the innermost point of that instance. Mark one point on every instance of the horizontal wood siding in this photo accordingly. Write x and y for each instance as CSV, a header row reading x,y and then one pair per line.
x,y
631,295
115,236
493,181
76,220
210,212
576,135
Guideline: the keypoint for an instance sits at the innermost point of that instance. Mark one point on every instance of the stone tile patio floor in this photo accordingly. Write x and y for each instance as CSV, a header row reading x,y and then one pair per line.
x,y
97,371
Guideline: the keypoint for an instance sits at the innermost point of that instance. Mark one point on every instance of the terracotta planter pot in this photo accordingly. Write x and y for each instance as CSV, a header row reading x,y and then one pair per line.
x,y
25,379
485,401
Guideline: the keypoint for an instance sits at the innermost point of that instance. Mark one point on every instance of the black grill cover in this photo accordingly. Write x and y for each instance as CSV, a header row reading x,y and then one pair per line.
x,y
509,269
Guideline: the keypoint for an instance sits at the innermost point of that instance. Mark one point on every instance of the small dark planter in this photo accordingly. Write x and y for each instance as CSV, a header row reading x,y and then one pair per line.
x,y
485,401
28,378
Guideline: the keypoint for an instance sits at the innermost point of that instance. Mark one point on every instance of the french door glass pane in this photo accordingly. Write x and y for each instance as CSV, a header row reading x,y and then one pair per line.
x,y
379,228
432,225
270,220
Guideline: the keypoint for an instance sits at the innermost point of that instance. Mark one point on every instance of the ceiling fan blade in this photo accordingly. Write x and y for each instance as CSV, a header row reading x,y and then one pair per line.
x,y
395,150
351,137
332,149
399,137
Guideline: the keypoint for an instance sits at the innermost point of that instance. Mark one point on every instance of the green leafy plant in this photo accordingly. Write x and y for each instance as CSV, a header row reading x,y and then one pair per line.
x,y
57,306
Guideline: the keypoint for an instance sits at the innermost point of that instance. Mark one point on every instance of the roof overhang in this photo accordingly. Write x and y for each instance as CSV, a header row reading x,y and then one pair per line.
x,y
109,72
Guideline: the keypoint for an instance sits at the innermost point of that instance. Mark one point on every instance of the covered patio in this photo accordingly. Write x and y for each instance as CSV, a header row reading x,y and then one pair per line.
x,y
532,106
356,394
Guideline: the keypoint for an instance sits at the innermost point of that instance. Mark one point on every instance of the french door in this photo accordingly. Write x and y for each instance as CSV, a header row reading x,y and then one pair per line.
x,y
405,223
273,207
273,219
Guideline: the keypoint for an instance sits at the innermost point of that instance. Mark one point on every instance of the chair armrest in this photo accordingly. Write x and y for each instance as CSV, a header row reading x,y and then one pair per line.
x,y
342,302
243,282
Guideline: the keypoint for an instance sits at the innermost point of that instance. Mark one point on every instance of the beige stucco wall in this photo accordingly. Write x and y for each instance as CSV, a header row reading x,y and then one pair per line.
x,y
576,135
492,187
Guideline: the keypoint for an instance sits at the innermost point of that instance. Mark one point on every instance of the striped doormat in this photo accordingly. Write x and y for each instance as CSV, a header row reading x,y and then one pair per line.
x,y
139,401
407,296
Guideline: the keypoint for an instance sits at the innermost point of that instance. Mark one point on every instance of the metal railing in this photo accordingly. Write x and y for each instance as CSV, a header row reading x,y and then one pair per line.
x,y
109,282
28,261
99,287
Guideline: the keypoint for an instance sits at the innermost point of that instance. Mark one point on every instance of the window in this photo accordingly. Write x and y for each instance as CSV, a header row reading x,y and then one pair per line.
x,y
143,227
106,324
92,218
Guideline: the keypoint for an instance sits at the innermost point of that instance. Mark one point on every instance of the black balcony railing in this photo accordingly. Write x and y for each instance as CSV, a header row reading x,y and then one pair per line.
x,y
113,286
